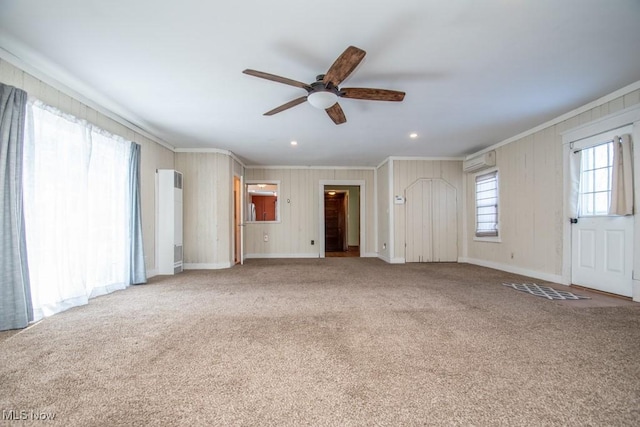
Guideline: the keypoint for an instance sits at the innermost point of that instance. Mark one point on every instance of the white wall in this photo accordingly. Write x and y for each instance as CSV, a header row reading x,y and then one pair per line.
x,y
353,239
154,155
208,208
383,178
405,173
299,212
531,196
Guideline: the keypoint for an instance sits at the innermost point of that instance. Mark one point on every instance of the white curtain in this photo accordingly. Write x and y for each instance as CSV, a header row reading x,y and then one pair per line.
x,y
622,177
575,162
76,208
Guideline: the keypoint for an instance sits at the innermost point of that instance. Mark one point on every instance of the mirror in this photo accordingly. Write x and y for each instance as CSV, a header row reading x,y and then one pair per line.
x,y
262,201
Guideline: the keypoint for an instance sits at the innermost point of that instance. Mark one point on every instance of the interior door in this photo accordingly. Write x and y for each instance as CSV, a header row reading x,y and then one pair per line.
x,y
334,222
265,207
237,221
601,244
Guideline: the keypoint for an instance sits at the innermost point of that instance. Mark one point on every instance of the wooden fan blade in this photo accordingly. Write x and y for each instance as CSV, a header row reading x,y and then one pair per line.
x,y
278,79
344,65
286,106
372,94
336,114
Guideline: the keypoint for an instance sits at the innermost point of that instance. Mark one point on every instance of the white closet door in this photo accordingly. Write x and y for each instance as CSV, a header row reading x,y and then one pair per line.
x,y
418,227
431,222
445,222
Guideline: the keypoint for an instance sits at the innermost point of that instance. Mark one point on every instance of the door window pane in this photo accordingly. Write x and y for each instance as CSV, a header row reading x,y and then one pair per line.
x,y
595,182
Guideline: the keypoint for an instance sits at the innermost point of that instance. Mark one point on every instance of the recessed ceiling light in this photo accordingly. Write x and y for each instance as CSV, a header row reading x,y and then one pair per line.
x,y
413,135
294,142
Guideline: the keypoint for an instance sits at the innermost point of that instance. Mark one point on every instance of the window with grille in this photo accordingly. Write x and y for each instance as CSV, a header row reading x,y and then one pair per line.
x,y
595,179
487,205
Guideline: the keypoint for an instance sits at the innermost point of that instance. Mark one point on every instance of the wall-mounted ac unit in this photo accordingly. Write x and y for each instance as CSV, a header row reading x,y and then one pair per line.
x,y
483,161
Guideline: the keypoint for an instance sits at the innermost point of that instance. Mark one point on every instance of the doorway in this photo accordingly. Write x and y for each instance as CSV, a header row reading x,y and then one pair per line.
x,y
601,243
335,221
341,220
237,220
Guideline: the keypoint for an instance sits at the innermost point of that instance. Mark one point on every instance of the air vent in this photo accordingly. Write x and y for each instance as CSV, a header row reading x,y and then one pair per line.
x,y
177,253
177,180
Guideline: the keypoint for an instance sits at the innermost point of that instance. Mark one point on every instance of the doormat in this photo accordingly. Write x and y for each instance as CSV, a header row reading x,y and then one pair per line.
x,y
544,291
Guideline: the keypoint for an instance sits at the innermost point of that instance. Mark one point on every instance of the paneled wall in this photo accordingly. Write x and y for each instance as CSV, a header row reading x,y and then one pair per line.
x,y
353,239
299,212
208,208
407,172
531,199
154,156
383,204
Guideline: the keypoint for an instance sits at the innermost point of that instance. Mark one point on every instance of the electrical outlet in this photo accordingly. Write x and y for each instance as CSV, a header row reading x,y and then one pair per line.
x,y
266,237
313,242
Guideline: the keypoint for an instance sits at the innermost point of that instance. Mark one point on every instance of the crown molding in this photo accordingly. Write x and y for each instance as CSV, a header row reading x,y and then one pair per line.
x,y
598,102
73,87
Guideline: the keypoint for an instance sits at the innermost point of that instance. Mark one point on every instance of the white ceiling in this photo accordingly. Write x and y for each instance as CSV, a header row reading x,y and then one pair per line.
x,y
475,72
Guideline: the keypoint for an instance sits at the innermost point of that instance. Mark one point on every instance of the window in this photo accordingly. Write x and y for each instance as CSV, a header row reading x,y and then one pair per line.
x,y
487,205
77,209
263,204
595,181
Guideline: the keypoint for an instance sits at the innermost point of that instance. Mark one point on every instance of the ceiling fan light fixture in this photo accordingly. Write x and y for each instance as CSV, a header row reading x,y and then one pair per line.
x,y
322,99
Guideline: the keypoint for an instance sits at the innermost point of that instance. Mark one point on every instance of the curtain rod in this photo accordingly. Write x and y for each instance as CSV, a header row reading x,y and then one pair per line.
x,y
594,146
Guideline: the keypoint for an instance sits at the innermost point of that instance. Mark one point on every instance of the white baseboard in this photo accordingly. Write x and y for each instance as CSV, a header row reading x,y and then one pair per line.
x,y
205,266
299,255
635,291
384,258
547,277
392,260
302,255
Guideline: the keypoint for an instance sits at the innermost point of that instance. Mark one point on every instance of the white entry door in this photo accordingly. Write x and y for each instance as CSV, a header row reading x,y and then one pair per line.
x,y
601,244
602,253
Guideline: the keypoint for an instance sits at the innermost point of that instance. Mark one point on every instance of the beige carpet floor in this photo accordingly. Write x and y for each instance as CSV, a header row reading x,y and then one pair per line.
x,y
327,342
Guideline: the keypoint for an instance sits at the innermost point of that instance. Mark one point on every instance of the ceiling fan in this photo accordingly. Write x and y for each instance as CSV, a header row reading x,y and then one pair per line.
x,y
324,92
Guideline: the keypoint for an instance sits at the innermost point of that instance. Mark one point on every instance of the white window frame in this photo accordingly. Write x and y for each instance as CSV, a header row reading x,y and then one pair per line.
x,y
252,182
487,238
601,141
592,141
